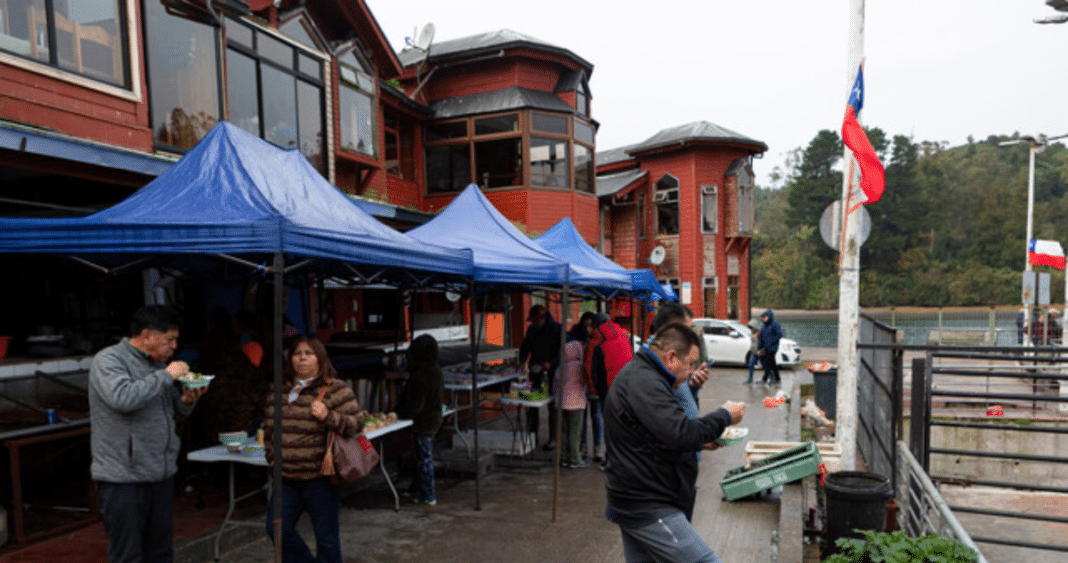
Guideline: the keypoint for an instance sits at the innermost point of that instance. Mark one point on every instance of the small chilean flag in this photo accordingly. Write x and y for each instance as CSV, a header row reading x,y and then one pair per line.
x,y
1046,253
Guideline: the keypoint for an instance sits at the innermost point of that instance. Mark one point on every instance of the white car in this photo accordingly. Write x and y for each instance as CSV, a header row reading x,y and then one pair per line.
x,y
728,342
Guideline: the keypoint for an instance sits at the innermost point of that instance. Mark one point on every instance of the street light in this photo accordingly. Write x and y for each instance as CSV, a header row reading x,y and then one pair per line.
x,y
1060,6
1038,143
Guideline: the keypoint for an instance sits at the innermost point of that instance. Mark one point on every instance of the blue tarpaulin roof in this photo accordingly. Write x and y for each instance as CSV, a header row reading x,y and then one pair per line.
x,y
564,241
234,193
503,254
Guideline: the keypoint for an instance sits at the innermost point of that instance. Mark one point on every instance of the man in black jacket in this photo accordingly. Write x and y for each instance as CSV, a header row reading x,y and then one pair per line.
x,y
651,471
539,354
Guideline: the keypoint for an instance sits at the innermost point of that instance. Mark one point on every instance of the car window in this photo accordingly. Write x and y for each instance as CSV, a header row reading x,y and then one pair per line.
x,y
717,330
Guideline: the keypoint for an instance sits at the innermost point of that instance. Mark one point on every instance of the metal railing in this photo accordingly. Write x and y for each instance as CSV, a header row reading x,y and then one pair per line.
x,y
980,418
922,509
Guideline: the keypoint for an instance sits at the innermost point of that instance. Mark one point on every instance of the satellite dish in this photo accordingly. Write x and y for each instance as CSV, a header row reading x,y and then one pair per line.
x,y
452,296
656,257
426,36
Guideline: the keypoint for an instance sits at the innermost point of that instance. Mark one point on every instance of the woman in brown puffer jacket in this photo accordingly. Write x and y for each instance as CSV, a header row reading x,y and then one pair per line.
x,y
306,423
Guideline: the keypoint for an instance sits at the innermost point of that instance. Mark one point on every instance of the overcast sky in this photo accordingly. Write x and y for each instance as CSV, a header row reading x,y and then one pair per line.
x,y
775,70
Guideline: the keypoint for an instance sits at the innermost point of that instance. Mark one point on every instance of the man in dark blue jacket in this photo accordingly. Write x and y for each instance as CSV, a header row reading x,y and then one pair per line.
x,y
651,470
768,347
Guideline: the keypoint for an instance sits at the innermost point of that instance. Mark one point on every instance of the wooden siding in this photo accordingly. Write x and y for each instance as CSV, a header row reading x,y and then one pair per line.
x,y
73,109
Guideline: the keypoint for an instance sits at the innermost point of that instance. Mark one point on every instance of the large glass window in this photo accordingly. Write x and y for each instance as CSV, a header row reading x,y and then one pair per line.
x,y
666,196
709,208
86,37
448,167
493,145
584,170
549,163
183,77
357,105
273,93
499,163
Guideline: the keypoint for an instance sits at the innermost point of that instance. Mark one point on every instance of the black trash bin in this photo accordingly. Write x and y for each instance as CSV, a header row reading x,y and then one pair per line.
x,y
855,500
826,387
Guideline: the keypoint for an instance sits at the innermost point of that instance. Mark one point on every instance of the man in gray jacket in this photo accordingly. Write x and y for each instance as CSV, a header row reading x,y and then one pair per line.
x,y
133,409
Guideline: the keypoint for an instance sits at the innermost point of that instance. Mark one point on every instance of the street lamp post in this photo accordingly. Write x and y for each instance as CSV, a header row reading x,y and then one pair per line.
x,y
1037,143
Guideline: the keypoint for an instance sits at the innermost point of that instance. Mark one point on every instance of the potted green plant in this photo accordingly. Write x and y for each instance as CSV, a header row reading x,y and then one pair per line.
x,y
896,547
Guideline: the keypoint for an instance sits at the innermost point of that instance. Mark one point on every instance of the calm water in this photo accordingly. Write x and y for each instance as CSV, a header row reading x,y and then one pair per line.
x,y
820,328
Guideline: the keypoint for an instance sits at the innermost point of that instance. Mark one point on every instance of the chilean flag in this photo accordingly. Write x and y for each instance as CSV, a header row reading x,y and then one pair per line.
x,y
1045,253
872,175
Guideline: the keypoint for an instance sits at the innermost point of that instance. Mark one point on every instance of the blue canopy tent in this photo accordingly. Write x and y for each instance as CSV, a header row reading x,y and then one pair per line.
x,y
505,257
502,254
564,241
234,194
237,197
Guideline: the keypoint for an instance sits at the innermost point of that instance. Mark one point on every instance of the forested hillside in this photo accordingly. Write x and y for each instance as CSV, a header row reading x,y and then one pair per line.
x,y
949,230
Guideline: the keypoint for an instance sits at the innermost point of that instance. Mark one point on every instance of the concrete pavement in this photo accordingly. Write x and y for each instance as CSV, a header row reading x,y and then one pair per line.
x,y
514,522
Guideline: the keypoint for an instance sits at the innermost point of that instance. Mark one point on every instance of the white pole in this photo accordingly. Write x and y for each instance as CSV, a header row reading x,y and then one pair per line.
x,y
849,271
1030,209
1027,244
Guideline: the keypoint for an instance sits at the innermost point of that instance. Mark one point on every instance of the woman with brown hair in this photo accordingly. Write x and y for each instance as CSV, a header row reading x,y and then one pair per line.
x,y
315,403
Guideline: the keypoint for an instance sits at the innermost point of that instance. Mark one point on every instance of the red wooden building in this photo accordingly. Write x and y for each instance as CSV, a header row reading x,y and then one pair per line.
x,y
681,203
98,97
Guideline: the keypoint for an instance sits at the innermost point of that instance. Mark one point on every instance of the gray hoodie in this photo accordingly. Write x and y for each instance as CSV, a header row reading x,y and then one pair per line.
x,y
133,409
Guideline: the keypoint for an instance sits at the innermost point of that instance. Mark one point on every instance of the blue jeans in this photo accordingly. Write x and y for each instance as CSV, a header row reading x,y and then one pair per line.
x,y
322,501
423,481
753,359
597,417
668,539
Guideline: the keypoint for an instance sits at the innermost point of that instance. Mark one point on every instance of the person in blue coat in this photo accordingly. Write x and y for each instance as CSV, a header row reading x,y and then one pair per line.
x,y
768,347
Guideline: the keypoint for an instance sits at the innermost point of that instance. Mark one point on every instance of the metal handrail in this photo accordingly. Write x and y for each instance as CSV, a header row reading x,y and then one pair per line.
x,y
920,508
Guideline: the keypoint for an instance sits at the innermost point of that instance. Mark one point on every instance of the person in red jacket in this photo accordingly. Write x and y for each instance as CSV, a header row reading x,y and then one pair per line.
x,y
607,351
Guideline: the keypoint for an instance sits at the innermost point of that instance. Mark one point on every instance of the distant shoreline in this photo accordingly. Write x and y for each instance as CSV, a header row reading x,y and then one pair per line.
x,y
881,311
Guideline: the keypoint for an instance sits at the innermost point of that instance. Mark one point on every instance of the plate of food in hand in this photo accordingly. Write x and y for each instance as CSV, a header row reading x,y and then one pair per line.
x,y
193,380
732,436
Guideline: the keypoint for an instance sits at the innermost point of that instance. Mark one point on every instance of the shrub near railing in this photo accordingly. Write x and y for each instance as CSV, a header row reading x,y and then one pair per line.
x,y
896,547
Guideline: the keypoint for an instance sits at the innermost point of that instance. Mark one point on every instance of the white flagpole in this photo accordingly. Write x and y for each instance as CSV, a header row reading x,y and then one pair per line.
x,y
849,269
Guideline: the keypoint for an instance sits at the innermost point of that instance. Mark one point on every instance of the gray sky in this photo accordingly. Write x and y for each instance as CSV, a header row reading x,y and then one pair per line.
x,y
774,70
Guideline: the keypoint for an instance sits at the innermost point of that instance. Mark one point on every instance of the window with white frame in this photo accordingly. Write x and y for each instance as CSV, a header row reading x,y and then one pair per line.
x,y
710,208
356,106
711,288
666,198
746,205
88,37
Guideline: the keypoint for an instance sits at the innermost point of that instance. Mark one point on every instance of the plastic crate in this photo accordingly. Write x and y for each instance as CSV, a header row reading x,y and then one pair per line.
x,y
790,465
830,453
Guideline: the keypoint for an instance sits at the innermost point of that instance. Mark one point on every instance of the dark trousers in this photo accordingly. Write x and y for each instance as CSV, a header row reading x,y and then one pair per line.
x,y
322,501
138,520
771,370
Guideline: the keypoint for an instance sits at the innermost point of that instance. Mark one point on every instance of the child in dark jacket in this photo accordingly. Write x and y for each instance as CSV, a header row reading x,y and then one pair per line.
x,y
421,402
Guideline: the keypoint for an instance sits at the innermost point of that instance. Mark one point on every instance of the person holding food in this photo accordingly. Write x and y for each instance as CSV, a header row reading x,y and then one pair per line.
x,y
134,407
421,402
651,470
315,403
